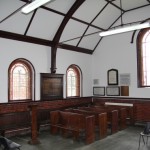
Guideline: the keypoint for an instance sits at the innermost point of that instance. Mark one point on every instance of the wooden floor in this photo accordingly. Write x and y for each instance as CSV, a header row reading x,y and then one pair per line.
x,y
127,139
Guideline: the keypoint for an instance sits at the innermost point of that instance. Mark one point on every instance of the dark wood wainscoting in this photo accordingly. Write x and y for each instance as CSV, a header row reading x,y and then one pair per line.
x,y
141,106
18,115
33,115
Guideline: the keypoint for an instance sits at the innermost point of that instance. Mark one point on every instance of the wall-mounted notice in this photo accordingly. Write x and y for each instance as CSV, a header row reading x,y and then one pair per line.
x,y
99,91
113,90
125,79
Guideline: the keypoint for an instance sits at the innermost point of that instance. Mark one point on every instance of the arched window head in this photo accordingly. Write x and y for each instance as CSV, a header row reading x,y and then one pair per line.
x,y
73,81
143,58
20,80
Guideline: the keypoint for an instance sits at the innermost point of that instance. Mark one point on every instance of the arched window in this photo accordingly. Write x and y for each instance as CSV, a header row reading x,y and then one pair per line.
x,y
143,58
73,81
21,74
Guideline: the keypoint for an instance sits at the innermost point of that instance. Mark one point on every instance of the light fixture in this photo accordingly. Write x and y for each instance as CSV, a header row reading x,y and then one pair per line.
x,y
35,4
123,28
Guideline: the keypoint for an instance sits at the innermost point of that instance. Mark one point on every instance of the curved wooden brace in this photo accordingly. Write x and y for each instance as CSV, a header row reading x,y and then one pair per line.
x,y
59,32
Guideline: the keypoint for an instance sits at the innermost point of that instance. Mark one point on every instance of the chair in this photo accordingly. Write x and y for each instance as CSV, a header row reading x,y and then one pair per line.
x,y
145,133
7,144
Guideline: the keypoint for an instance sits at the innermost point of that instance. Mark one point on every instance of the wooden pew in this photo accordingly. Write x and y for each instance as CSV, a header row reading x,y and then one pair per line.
x,y
14,121
43,118
72,122
129,108
100,120
122,114
112,117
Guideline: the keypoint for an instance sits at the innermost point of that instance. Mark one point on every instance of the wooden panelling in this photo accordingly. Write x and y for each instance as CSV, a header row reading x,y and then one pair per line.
x,y
34,111
19,115
19,110
141,106
51,105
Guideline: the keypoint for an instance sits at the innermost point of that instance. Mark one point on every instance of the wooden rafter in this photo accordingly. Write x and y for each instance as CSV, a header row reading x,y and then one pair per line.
x,y
29,39
148,1
92,22
67,17
56,43
58,34
115,5
12,13
138,7
79,37
23,38
73,18
30,21
74,48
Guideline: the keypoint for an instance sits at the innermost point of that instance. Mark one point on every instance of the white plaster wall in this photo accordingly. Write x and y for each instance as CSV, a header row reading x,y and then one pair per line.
x,y
10,50
40,57
113,52
65,58
117,52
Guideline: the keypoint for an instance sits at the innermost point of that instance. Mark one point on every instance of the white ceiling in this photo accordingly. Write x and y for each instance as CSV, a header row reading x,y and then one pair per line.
x,y
82,28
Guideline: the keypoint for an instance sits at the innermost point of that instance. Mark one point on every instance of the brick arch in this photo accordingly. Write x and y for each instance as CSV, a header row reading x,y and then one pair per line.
x,y
27,65
78,84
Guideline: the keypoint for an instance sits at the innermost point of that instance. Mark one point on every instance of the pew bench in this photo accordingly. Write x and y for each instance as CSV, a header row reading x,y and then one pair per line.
x,y
130,119
112,117
75,123
100,120
122,114
43,118
129,108
14,122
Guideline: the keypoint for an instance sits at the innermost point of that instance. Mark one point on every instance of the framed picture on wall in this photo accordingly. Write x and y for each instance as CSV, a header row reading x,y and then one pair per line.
x,y
112,77
113,90
99,91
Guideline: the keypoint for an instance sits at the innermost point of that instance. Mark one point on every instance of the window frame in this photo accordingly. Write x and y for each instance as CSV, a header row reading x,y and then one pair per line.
x,y
139,58
79,80
31,70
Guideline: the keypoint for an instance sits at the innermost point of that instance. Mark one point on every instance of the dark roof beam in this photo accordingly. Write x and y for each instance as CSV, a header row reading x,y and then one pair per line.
x,y
59,32
13,13
30,21
79,37
19,37
97,44
29,39
115,5
138,7
67,17
26,1
74,48
76,19
108,29
92,22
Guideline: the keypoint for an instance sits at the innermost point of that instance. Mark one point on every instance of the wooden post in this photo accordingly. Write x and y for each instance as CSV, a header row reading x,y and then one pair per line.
x,y
34,133
102,125
123,116
114,121
90,129
54,120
